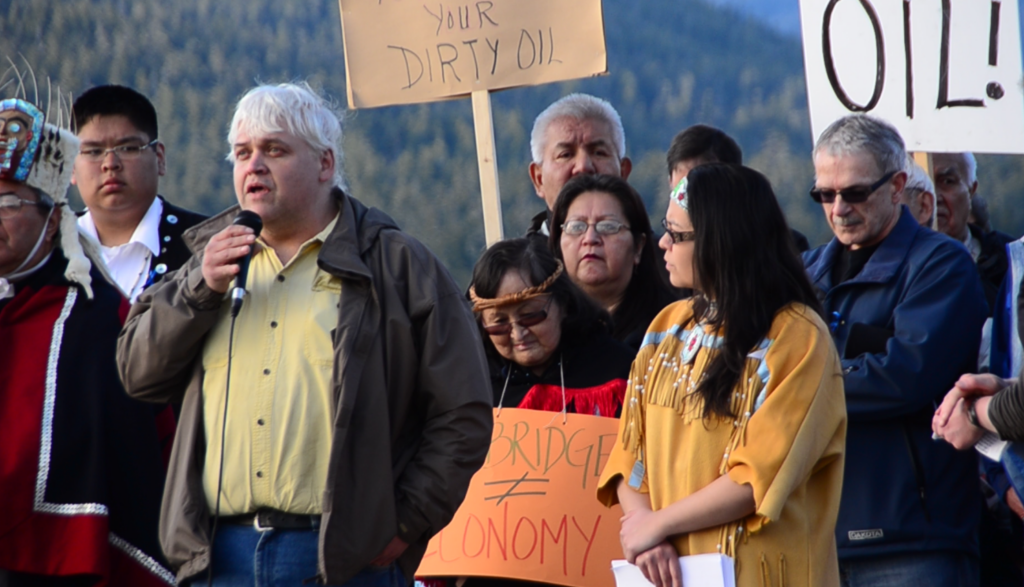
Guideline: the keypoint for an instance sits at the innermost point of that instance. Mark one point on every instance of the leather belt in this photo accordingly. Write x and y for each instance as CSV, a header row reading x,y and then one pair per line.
x,y
267,519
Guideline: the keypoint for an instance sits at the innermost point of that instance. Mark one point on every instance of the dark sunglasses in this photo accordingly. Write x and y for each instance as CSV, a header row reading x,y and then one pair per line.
x,y
677,236
525,321
851,195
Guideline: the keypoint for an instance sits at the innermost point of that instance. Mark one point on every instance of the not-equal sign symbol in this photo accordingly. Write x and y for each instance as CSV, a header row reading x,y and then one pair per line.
x,y
514,483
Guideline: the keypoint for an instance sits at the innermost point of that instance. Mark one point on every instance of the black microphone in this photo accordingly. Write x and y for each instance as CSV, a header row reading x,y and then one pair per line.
x,y
253,221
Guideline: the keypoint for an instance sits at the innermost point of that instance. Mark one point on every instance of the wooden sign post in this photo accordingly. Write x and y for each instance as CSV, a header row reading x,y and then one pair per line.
x,y
405,53
531,512
946,74
487,161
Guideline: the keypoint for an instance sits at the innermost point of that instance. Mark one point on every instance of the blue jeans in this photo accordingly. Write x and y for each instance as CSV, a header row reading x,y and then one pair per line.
x,y
246,557
917,569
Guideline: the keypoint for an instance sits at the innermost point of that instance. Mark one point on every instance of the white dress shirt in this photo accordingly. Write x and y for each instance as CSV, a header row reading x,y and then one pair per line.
x,y
129,263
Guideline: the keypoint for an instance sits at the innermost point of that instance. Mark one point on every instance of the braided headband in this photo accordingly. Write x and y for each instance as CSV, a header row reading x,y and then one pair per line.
x,y
679,196
480,304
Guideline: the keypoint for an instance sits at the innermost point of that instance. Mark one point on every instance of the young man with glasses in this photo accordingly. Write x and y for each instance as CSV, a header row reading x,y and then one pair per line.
x,y
117,173
906,309
700,144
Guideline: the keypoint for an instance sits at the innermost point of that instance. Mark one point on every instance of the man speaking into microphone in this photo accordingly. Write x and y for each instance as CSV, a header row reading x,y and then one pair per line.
x,y
341,431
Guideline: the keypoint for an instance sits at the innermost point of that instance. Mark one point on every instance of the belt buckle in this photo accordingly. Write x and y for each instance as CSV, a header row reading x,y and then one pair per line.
x,y
256,524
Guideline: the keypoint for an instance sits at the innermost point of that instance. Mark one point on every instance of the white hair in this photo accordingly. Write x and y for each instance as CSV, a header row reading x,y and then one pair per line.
x,y
860,133
578,107
970,166
295,108
918,181
917,177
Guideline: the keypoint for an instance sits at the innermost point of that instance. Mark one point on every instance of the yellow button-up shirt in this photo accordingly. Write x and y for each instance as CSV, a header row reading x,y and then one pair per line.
x,y
279,417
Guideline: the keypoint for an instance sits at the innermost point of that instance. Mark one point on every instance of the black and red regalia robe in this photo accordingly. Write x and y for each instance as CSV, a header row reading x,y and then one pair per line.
x,y
81,473
593,372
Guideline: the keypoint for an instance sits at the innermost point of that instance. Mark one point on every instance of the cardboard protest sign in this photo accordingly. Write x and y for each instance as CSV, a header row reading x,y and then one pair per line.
x,y
946,74
531,512
400,52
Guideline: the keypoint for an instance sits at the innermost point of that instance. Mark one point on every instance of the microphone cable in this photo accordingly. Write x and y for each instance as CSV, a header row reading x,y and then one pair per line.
x,y
220,465
253,221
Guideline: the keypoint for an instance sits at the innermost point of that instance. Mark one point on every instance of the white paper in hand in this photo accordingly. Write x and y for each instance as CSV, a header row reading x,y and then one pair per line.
x,y
705,570
991,446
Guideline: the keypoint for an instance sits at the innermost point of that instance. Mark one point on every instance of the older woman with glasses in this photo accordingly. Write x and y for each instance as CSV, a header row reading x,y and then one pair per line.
x,y
601,231
548,343
733,435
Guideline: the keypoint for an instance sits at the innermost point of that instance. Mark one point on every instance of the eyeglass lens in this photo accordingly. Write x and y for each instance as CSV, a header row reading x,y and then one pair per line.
x,y
851,195
526,320
11,204
603,227
122,151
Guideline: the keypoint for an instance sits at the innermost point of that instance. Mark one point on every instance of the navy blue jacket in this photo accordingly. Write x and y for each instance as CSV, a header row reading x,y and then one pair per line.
x,y
915,311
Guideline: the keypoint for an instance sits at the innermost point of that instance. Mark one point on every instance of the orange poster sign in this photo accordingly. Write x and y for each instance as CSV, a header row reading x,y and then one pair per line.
x,y
531,512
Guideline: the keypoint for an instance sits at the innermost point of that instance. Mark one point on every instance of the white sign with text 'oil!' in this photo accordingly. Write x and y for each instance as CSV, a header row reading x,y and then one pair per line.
x,y
946,73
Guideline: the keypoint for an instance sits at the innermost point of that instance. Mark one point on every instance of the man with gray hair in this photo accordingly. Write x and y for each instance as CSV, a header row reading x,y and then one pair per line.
x,y
956,181
577,134
333,428
919,194
905,307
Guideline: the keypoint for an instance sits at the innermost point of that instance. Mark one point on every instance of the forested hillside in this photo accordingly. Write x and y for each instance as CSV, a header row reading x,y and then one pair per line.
x,y
672,63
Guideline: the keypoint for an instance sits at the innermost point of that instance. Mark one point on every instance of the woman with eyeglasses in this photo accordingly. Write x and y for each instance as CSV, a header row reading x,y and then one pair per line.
x,y
548,343
601,231
733,433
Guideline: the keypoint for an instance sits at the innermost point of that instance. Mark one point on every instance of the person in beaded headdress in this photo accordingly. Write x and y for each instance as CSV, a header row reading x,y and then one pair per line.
x,y
732,435
80,467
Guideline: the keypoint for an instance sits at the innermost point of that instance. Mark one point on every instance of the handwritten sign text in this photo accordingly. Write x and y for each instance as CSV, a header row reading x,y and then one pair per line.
x,y
531,512
400,52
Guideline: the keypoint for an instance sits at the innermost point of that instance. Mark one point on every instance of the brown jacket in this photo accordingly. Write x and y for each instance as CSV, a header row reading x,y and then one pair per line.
x,y
411,395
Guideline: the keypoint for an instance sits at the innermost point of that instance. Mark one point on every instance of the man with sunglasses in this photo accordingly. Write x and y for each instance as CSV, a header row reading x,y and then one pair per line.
x,y
117,173
905,308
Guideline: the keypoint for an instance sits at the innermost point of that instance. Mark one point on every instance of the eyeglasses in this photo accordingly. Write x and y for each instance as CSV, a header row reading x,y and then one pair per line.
x,y
603,227
851,195
10,205
525,321
678,236
123,152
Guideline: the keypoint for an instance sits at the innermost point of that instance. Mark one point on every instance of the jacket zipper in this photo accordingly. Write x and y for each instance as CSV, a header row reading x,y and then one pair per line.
x,y
918,472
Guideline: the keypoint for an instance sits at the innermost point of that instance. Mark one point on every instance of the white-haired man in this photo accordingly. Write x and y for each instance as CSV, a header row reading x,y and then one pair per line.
x,y
905,307
956,181
919,194
359,404
577,134
80,464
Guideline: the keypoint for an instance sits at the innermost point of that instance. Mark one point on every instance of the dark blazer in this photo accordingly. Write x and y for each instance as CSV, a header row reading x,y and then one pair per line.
x,y
174,221
992,262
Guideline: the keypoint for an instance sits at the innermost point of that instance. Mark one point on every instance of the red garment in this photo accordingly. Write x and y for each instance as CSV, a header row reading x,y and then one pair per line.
x,y
80,471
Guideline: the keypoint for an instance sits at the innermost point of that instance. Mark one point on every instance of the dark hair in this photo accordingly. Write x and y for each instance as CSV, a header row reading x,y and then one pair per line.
x,y
704,144
648,291
744,259
114,100
582,318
